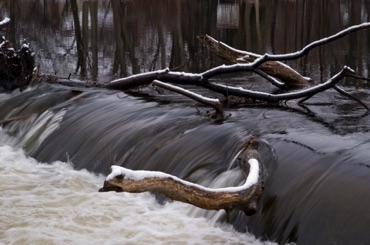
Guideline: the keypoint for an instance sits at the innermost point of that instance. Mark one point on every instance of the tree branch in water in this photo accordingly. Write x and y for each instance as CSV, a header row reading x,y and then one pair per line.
x,y
267,66
276,69
244,197
215,103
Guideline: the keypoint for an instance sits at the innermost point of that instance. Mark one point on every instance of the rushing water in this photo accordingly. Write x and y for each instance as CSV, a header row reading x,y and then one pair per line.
x,y
61,141
54,204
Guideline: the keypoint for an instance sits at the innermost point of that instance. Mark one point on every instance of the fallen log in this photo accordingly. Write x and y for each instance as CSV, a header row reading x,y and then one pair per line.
x,y
244,197
276,69
249,62
198,79
246,62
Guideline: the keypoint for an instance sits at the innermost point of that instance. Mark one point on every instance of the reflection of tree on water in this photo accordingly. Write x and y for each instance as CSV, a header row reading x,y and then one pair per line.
x,y
81,61
89,9
123,44
141,35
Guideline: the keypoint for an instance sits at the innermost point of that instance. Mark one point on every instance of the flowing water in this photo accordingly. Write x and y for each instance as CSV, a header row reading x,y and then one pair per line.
x,y
54,204
61,141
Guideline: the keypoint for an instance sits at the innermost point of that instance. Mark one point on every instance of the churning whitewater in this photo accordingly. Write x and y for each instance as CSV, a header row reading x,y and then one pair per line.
x,y
55,204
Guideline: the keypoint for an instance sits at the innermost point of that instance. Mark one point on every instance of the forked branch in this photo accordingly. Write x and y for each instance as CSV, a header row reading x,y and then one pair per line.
x,y
267,66
288,76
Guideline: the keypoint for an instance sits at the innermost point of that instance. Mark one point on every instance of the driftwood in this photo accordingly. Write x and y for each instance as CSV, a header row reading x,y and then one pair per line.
x,y
267,66
19,72
273,68
244,198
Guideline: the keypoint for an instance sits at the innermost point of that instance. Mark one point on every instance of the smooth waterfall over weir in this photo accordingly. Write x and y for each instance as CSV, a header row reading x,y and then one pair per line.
x,y
143,136
89,129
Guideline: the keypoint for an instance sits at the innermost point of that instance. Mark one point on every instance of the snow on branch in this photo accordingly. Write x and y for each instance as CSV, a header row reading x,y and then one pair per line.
x,y
244,197
309,47
239,91
215,103
268,66
287,75
4,22
148,77
139,175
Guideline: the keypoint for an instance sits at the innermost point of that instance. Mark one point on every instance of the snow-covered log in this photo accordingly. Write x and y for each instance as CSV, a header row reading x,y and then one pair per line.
x,y
276,69
4,22
198,79
244,197
267,66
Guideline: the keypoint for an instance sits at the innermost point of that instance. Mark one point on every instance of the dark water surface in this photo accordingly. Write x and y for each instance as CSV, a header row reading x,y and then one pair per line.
x,y
317,190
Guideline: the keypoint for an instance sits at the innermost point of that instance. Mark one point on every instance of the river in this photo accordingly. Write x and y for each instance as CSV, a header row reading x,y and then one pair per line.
x,y
53,160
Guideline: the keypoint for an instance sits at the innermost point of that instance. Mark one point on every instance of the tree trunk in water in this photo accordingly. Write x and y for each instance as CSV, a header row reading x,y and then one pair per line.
x,y
274,68
244,198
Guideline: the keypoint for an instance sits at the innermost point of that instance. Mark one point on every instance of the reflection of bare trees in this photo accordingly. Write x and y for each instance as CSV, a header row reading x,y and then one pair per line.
x,y
81,55
123,43
94,37
89,11
289,25
125,37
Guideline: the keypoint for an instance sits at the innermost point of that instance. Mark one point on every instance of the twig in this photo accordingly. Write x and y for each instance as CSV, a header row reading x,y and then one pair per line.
x,y
215,103
345,93
358,77
271,79
309,47
278,97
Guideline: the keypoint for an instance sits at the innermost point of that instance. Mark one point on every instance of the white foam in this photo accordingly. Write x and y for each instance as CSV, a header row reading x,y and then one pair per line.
x,y
54,204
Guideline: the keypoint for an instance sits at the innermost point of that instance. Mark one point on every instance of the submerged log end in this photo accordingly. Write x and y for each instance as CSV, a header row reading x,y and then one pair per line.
x,y
110,187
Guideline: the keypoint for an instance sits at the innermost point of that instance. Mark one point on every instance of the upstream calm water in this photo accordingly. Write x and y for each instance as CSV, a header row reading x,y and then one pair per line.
x,y
61,141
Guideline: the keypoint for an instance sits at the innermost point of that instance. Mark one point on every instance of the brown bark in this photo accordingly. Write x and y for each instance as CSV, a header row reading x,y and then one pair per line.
x,y
273,68
245,199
